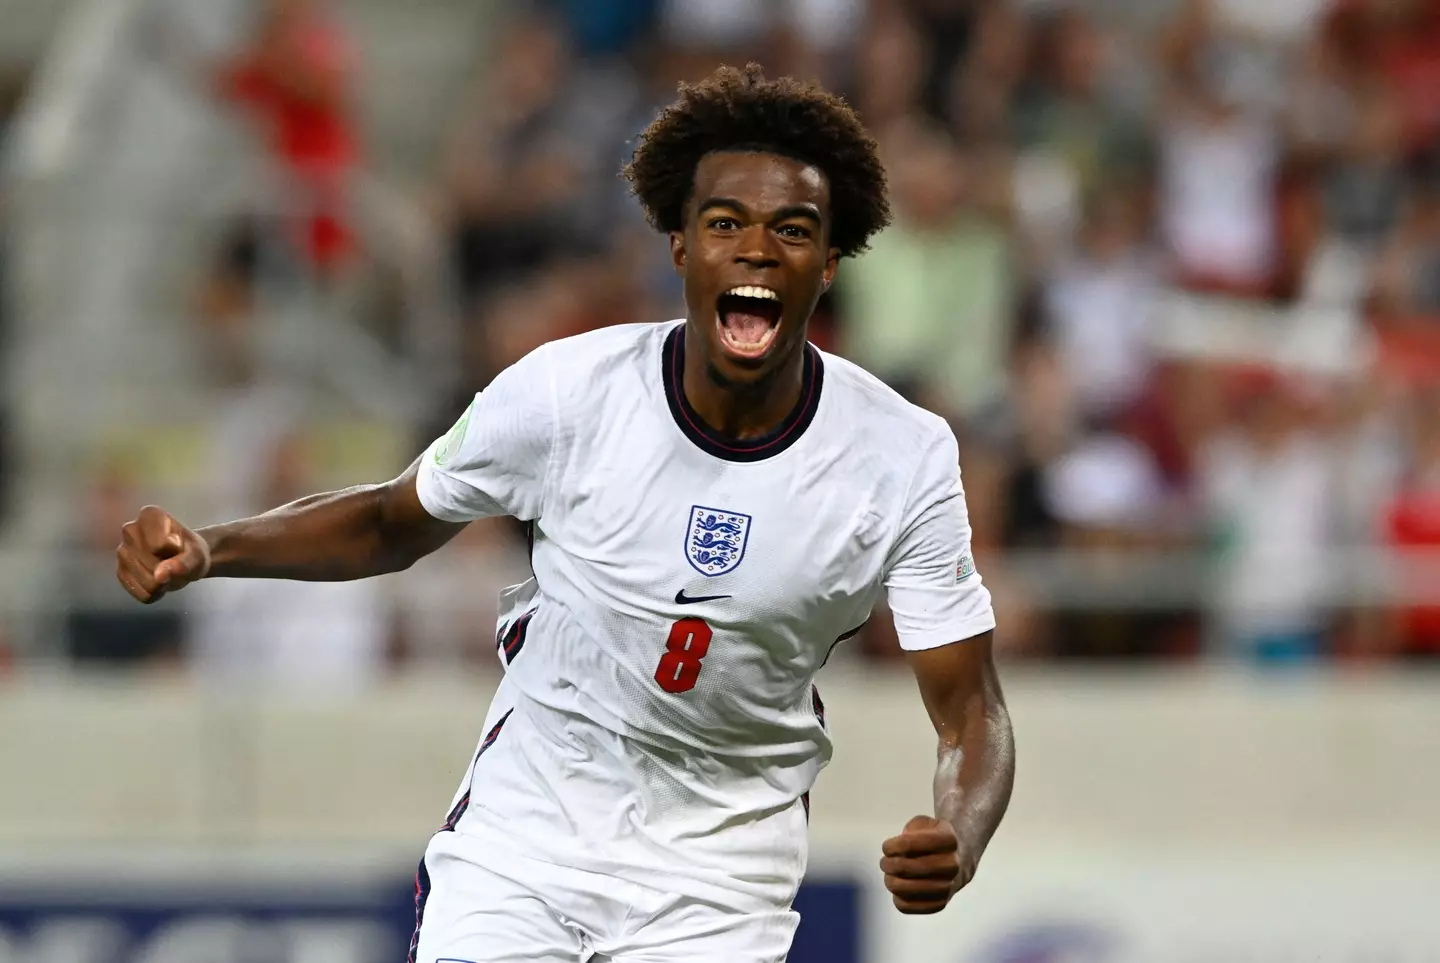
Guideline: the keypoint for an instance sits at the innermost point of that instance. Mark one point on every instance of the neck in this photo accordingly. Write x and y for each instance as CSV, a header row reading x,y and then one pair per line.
x,y
742,410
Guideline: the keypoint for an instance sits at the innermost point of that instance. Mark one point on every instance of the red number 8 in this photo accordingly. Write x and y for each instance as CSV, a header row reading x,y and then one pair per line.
x,y
680,665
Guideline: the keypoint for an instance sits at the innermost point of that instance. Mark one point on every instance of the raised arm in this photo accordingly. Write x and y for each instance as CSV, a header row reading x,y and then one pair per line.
x,y
332,537
935,856
494,461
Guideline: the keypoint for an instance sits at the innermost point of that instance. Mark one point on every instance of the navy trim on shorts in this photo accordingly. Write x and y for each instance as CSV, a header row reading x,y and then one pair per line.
x,y
422,895
456,813
819,706
422,875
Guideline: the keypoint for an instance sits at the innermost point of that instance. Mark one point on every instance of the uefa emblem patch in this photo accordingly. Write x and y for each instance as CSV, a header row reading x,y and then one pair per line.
x,y
715,540
450,444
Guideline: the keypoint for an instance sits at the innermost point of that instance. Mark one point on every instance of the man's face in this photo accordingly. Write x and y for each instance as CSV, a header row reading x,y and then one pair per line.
x,y
755,257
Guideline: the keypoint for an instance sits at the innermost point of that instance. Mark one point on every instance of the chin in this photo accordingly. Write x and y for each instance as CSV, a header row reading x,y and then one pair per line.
x,y
731,377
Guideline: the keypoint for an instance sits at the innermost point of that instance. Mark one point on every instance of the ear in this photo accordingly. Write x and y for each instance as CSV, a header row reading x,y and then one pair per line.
x,y
832,263
677,251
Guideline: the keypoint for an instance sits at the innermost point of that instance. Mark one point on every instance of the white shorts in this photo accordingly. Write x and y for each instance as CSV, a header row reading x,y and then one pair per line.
x,y
566,845
475,907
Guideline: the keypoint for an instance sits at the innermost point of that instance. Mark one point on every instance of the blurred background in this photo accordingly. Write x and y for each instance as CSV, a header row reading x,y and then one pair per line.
x,y
1170,268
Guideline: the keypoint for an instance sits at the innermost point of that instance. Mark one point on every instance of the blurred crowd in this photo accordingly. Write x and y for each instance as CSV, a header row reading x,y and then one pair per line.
x,y
1172,272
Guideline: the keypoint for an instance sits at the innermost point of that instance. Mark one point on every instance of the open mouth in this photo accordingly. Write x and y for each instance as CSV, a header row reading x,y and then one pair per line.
x,y
749,320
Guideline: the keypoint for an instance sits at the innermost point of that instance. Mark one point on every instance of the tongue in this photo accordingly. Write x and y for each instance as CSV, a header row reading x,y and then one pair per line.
x,y
747,327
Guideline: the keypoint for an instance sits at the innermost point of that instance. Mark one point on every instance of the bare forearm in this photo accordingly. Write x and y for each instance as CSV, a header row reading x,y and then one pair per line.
x,y
329,537
934,857
975,772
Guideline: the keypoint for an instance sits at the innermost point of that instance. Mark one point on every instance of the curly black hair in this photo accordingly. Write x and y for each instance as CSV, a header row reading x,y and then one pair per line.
x,y
736,109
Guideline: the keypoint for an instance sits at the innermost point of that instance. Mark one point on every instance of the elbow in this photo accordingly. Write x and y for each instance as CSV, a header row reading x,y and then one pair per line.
x,y
399,561
396,550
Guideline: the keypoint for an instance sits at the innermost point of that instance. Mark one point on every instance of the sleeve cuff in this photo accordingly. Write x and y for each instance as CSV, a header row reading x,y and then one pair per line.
x,y
431,487
959,632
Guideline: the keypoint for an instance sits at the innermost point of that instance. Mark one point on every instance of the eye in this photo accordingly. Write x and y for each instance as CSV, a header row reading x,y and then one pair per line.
x,y
723,224
794,231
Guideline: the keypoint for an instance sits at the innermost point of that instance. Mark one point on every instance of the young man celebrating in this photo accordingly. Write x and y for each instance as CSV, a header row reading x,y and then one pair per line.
x,y
714,504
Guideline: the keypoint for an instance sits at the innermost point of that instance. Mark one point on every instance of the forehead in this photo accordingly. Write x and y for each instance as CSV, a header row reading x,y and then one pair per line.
x,y
762,182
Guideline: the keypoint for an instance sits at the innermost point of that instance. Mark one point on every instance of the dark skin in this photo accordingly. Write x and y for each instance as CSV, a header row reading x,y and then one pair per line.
x,y
753,219
934,857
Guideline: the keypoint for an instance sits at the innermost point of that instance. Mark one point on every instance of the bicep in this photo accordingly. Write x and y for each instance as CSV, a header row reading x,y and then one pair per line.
x,y
958,682
405,520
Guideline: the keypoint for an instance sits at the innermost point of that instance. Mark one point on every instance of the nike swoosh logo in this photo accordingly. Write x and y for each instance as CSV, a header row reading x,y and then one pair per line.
x,y
682,599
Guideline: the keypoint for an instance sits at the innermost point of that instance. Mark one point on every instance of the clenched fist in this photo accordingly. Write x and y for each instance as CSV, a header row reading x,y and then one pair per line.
x,y
924,865
158,555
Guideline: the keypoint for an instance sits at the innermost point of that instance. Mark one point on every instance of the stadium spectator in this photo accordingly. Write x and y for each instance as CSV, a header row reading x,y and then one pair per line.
x,y
1110,500
1218,184
296,78
226,302
1366,185
1068,109
1099,304
930,308
1395,43
889,69
1407,270
1412,526
1269,491
530,170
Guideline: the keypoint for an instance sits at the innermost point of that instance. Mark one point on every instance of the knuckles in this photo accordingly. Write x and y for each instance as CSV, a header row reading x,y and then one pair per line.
x,y
141,540
912,908
923,884
149,530
921,866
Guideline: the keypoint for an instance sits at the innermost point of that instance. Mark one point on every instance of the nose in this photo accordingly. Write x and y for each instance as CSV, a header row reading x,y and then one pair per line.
x,y
756,248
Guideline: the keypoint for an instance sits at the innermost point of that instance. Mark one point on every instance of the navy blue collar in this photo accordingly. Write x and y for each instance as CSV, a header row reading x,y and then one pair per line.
x,y
672,366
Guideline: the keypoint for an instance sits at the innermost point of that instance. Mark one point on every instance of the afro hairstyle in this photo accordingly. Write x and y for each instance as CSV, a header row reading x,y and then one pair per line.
x,y
740,110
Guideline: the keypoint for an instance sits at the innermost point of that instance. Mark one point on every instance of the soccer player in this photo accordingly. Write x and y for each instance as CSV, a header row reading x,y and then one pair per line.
x,y
714,504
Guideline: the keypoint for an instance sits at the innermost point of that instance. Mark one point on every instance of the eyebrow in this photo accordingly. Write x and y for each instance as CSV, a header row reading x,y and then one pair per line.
x,y
807,211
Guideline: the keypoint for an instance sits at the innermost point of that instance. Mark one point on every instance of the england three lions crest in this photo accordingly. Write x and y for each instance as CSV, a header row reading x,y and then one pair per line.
x,y
715,541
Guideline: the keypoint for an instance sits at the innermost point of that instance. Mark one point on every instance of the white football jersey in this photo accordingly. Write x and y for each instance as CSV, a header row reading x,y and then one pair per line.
x,y
687,587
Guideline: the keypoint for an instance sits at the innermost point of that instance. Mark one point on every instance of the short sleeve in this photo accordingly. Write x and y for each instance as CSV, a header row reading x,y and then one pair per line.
x,y
496,458
936,595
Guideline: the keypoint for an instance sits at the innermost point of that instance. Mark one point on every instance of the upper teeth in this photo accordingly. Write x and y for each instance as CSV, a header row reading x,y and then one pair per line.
x,y
751,291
